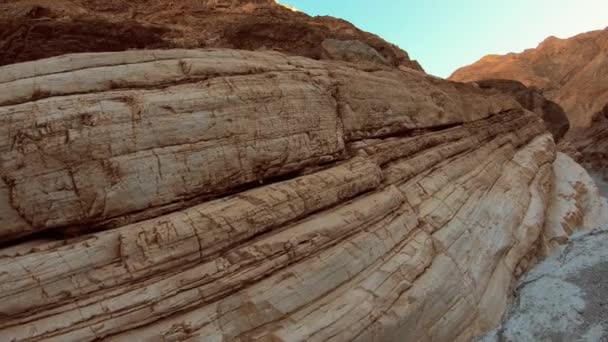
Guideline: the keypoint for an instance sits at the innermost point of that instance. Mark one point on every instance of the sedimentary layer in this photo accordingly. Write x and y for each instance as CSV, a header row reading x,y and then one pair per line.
x,y
220,195
35,29
571,72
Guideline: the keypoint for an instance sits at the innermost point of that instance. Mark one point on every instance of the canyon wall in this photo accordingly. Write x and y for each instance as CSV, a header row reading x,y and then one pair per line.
x,y
35,29
221,195
573,73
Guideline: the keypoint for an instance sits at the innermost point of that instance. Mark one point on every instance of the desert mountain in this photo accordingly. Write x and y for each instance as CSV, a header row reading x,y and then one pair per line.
x,y
34,29
572,72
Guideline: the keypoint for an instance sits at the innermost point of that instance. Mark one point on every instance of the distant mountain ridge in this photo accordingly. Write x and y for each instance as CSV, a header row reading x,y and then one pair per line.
x,y
572,72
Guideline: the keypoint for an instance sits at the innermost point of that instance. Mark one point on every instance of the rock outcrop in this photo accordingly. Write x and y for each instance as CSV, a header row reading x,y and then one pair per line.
x,y
554,116
34,29
350,51
589,145
571,72
564,298
222,195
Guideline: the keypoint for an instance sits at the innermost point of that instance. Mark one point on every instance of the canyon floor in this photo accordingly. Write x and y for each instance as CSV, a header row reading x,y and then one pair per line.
x,y
564,298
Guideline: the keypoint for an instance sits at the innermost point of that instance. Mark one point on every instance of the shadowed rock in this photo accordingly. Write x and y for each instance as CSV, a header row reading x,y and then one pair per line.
x,y
226,195
554,116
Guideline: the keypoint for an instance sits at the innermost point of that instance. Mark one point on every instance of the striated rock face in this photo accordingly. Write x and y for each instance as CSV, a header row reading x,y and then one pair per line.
x,y
571,286
589,145
34,29
221,195
554,116
571,72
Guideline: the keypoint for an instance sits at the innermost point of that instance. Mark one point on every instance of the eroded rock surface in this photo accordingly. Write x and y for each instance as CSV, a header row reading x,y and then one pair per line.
x,y
554,116
589,145
571,72
220,195
564,298
350,51
34,29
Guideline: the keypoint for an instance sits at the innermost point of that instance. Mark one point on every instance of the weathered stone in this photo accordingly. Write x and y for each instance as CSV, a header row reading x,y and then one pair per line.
x,y
554,116
571,72
223,195
350,51
35,29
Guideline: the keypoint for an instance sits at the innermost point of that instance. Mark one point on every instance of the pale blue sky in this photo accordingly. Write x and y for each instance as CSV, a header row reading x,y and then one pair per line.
x,y
444,35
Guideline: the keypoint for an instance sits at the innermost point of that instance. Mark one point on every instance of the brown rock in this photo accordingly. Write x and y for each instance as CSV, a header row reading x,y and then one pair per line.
x,y
554,116
589,145
571,72
254,196
34,29
350,51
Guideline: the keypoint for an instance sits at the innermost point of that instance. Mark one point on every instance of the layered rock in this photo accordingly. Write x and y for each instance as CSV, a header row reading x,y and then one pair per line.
x,y
554,116
34,29
571,72
569,285
221,195
589,145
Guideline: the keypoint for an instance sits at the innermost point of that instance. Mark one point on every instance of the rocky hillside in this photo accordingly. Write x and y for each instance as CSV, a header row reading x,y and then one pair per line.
x,y
327,191
553,115
34,29
223,194
572,72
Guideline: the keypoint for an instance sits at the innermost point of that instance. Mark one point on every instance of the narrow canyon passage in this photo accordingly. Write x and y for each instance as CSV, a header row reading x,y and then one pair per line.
x,y
602,183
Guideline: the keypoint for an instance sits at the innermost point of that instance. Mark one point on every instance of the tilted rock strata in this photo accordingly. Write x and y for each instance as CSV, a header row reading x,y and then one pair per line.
x,y
589,145
571,72
554,116
285,199
35,29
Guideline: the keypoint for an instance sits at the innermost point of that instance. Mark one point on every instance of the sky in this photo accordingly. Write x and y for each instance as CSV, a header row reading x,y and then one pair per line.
x,y
444,35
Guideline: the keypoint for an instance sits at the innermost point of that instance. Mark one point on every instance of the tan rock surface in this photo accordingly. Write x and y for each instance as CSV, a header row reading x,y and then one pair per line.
x,y
221,195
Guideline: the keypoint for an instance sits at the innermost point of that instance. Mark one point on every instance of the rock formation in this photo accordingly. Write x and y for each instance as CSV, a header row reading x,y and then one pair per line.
x,y
34,29
221,195
570,285
554,116
571,72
